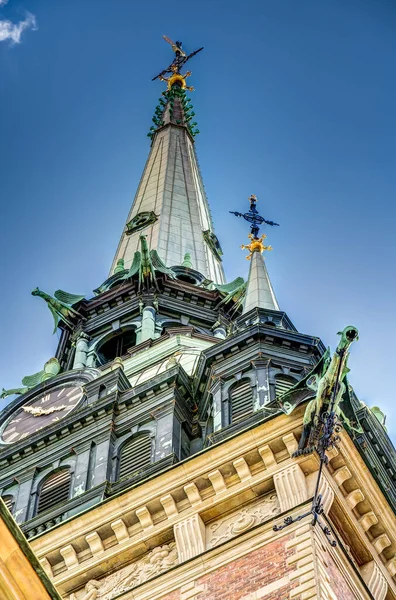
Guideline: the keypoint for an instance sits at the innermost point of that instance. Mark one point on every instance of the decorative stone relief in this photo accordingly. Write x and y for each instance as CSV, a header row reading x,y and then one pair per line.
x,y
154,563
242,520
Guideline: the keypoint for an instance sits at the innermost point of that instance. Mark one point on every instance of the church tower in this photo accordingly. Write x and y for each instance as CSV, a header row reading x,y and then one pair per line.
x,y
187,442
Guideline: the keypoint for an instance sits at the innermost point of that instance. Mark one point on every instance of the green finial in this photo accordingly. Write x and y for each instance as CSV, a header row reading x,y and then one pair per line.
x,y
187,261
120,266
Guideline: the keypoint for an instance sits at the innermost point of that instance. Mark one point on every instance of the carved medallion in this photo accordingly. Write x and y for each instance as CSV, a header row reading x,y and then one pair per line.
x,y
140,221
240,521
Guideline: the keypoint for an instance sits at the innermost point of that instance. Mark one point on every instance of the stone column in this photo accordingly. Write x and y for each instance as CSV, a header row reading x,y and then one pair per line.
x,y
80,357
147,331
91,358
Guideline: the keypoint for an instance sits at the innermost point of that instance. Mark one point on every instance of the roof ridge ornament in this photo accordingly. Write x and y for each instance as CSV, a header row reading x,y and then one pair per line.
x,y
180,59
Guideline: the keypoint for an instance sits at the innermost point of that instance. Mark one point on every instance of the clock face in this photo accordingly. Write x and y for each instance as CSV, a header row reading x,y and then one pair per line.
x,y
44,410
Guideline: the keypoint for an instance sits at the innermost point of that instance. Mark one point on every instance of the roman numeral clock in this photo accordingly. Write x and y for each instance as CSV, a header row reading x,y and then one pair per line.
x,y
45,409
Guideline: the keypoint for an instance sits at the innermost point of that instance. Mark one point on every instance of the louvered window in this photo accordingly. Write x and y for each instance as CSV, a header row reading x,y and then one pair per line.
x,y
135,455
9,502
55,489
241,396
283,383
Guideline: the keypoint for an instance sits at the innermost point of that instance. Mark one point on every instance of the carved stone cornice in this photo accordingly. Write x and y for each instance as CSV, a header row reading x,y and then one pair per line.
x,y
237,470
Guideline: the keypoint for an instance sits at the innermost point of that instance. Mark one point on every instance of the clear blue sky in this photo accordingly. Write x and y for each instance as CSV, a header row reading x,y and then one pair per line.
x,y
295,101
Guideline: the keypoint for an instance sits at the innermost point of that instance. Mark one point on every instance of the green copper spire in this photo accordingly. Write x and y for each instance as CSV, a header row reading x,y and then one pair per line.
x,y
170,206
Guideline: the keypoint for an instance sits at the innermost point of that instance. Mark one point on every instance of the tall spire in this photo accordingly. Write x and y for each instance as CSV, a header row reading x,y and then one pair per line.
x,y
170,206
259,291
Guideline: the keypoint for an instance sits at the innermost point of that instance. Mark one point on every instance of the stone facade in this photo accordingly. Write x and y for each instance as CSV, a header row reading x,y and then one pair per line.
x,y
209,525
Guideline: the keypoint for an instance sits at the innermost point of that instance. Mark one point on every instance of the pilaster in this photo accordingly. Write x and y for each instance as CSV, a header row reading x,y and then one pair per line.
x,y
291,487
190,537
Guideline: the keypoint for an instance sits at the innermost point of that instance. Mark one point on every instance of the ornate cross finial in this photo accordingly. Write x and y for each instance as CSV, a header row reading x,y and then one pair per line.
x,y
176,78
253,217
255,221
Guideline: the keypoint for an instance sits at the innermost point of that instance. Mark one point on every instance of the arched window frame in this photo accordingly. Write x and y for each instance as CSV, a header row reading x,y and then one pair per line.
x,y
44,480
97,343
232,387
285,376
122,441
67,463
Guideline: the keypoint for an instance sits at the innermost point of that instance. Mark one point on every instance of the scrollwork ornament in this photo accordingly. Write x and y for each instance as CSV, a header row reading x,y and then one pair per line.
x,y
154,563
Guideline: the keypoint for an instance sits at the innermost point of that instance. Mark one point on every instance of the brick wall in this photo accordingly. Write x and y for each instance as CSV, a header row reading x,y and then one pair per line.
x,y
336,580
250,573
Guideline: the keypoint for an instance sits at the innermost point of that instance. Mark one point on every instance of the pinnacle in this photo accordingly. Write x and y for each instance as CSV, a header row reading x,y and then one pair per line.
x,y
259,292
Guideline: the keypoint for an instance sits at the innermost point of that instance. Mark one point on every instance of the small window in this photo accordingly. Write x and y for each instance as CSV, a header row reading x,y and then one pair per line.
x,y
241,400
102,391
135,455
9,502
118,345
54,489
283,383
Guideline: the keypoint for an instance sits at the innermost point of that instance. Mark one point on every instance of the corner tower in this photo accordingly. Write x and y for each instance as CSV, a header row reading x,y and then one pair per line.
x,y
170,205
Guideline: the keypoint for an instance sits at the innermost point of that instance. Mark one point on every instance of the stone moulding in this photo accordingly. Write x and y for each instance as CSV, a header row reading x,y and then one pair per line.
x,y
201,486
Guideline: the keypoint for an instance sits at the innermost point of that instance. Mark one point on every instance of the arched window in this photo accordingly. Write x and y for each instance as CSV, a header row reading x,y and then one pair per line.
x,y
102,391
270,324
54,489
9,502
135,454
283,383
241,400
117,345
